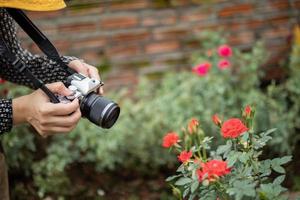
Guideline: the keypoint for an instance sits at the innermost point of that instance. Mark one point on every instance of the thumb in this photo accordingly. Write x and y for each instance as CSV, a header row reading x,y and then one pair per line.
x,y
59,88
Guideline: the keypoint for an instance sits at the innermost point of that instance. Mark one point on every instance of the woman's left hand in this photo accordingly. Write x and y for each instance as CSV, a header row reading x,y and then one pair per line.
x,y
87,70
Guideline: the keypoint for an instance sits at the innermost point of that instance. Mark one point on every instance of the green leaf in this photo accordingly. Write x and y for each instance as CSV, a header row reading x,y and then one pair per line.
x,y
170,178
186,192
194,186
245,137
268,132
232,158
285,160
223,148
183,181
278,169
279,180
243,157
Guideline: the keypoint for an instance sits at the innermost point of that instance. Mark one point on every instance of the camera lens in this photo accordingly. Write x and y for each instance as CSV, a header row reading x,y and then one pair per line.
x,y
100,110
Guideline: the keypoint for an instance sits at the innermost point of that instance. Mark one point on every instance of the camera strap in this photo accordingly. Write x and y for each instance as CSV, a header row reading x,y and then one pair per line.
x,y
22,68
38,37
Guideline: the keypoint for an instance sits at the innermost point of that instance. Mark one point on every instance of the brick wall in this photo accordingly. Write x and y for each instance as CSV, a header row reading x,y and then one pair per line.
x,y
147,37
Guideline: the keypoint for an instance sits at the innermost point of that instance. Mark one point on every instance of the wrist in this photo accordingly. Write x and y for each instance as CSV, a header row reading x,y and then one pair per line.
x,y
19,108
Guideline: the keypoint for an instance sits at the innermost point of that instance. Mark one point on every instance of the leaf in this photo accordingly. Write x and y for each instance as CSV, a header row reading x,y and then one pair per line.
x,y
278,169
183,181
223,148
170,178
279,180
268,132
194,186
244,157
186,192
232,159
245,137
180,169
285,160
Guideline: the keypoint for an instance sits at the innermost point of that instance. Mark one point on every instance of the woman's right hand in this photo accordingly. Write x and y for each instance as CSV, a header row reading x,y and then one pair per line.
x,y
47,118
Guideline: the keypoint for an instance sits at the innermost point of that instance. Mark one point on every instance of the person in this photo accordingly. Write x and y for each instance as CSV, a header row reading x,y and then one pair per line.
x,y
35,108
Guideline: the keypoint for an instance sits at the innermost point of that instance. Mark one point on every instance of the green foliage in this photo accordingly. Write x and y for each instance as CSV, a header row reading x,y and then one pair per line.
x,y
246,175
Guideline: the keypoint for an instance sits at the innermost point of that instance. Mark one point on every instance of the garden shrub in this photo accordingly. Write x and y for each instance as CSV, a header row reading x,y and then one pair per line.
x,y
234,170
161,106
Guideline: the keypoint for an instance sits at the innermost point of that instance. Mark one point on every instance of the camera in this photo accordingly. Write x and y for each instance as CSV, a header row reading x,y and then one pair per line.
x,y
98,109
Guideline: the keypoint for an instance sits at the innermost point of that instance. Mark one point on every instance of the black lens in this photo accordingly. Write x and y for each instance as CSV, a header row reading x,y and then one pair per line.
x,y
99,110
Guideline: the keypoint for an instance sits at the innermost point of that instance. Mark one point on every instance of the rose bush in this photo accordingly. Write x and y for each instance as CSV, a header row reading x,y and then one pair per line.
x,y
232,171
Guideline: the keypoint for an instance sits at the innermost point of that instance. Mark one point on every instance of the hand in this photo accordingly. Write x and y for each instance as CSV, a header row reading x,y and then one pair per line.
x,y
87,70
47,118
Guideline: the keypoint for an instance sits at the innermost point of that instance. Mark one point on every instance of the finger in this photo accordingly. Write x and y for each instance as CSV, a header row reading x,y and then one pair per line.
x,y
59,130
78,66
101,90
59,88
64,121
92,72
62,109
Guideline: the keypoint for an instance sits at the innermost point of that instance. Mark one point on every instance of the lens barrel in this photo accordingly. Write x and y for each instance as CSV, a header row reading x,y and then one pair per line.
x,y
99,110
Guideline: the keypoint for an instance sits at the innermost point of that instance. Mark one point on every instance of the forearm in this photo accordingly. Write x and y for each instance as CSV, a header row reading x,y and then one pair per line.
x,y
19,111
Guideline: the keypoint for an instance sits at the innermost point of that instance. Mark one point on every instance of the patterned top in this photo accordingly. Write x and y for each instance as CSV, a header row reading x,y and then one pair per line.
x,y
43,68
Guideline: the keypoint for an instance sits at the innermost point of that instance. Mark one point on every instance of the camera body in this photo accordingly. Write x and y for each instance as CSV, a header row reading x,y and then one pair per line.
x,y
98,109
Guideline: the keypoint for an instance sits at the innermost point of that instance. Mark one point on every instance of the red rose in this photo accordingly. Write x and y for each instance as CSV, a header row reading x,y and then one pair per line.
x,y
223,64
224,51
247,111
184,156
212,170
216,120
193,124
233,128
202,69
170,139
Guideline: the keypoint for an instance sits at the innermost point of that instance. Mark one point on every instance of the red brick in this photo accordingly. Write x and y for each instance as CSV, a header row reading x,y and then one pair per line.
x,y
195,16
62,45
181,2
236,9
170,33
128,5
91,56
93,42
280,5
150,21
163,20
133,36
276,33
281,19
122,51
241,38
296,4
251,24
45,15
118,22
161,47
121,78
96,10
168,20
77,27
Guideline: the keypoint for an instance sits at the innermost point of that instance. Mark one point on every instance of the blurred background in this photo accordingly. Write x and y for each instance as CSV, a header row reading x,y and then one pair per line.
x,y
145,51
